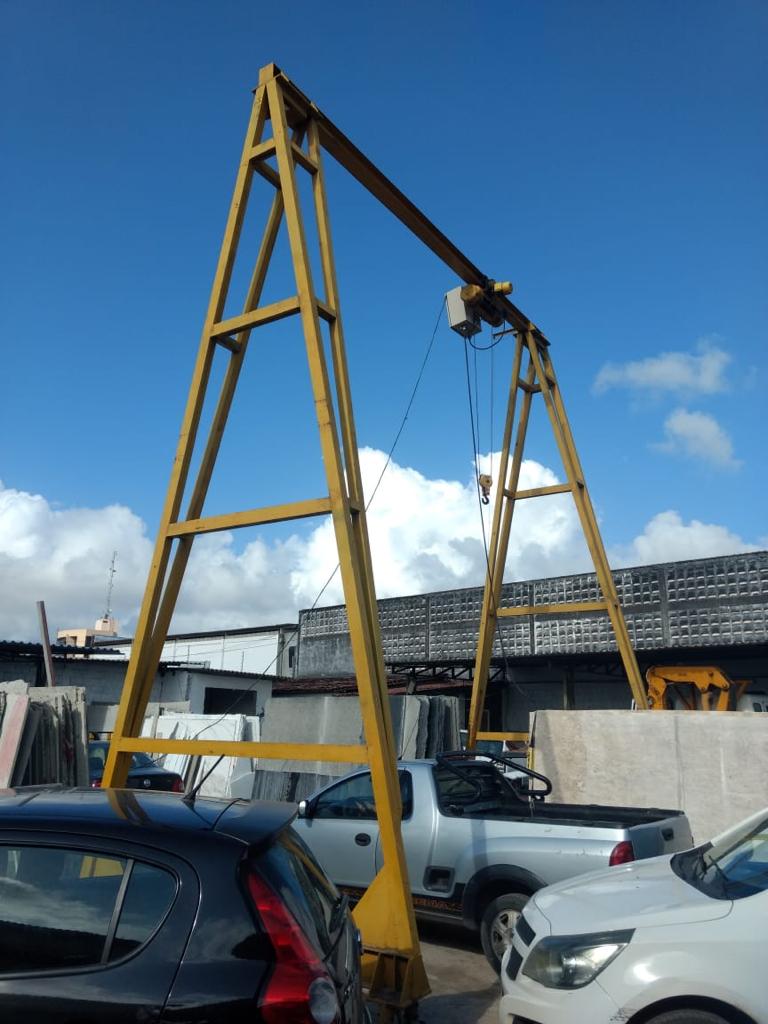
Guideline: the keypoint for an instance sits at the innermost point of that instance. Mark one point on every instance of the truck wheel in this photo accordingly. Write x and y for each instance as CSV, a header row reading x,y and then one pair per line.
x,y
688,1017
497,925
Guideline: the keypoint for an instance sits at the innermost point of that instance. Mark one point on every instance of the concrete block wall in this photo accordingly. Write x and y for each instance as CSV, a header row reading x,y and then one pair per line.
x,y
701,602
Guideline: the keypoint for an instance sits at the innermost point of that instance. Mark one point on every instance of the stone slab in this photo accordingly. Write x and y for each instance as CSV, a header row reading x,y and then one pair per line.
x,y
712,765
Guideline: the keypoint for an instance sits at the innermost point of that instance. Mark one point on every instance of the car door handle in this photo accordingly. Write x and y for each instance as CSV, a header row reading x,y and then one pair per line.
x,y
363,839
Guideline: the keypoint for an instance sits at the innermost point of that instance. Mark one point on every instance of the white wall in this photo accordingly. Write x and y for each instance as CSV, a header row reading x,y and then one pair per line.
x,y
255,652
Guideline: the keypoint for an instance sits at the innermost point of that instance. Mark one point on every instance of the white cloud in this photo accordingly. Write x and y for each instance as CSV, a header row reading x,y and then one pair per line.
x,y
424,535
699,373
666,538
62,556
700,436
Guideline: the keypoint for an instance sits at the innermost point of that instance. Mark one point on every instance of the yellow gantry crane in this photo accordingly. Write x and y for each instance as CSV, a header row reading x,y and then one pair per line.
x,y
538,378
287,136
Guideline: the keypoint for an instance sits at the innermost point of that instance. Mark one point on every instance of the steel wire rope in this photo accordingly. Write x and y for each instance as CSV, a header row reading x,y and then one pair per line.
x,y
476,453
414,390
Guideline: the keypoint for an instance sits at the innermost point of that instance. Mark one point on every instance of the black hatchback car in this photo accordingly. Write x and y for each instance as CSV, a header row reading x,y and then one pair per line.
x,y
121,906
144,773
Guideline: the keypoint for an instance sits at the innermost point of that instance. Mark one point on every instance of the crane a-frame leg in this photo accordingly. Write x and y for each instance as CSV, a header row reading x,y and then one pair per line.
x,y
392,962
539,378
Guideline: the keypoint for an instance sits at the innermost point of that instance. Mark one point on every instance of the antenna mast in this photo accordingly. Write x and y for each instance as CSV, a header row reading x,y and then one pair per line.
x,y
110,586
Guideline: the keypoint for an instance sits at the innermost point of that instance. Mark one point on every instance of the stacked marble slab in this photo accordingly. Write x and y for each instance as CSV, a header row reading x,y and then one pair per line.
x,y
423,726
43,737
220,777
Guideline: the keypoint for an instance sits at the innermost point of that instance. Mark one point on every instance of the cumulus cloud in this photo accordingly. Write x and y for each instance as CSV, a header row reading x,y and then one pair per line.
x,y
62,556
666,538
699,436
424,532
701,372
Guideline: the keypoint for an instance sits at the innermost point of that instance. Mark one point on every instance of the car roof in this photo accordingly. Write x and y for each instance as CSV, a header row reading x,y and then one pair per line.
x,y
134,814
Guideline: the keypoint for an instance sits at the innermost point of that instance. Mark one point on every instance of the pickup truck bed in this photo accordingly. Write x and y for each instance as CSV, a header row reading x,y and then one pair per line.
x,y
475,849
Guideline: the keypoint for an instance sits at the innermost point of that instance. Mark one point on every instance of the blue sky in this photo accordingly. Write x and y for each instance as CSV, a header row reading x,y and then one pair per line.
x,y
609,158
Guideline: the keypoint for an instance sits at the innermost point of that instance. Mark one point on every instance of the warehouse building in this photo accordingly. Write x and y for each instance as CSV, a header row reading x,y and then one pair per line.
x,y
703,611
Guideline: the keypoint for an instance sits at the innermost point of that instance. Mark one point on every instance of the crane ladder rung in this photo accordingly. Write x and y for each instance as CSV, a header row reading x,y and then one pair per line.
x,y
266,149
554,609
222,332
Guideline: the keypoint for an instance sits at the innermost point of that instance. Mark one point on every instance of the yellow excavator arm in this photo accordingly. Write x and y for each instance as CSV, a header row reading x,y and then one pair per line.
x,y
697,687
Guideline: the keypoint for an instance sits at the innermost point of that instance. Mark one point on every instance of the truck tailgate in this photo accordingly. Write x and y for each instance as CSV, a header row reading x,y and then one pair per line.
x,y
657,837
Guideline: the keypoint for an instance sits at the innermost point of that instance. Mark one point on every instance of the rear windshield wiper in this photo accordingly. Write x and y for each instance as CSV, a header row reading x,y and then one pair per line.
x,y
336,923
339,911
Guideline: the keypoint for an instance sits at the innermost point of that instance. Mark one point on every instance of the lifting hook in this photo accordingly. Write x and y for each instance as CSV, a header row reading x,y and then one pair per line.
x,y
485,483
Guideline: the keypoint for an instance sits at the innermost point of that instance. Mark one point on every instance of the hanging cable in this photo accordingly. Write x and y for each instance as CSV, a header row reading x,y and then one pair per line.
x,y
497,627
490,417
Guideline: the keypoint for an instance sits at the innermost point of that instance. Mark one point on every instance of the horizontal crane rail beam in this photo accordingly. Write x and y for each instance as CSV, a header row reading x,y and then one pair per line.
x,y
345,152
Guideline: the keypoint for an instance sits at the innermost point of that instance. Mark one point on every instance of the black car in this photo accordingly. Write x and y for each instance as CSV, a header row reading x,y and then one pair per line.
x,y
121,906
143,773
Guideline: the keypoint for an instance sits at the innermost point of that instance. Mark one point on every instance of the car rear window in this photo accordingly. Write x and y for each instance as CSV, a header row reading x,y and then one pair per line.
x,y
148,898
292,871
474,788
58,907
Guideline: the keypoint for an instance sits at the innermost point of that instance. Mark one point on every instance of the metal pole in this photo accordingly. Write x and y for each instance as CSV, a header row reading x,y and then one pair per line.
x,y
46,642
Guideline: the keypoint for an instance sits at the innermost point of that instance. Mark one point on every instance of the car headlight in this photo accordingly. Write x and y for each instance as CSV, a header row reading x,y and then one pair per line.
x,y
571,961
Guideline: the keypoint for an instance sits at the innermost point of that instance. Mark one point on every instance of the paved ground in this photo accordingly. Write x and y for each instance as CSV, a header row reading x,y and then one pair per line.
x,y
464,988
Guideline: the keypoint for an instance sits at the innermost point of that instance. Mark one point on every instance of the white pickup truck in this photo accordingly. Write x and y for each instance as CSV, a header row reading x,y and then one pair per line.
x,y
477,843
673,940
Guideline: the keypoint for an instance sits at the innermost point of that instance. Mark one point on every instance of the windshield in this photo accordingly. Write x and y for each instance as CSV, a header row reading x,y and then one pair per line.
x,y
734,866
489,747
97,757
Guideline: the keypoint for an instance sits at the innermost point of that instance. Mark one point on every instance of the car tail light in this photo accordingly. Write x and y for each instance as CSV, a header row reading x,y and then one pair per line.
x,y
177,786
299,990
622,853
96,784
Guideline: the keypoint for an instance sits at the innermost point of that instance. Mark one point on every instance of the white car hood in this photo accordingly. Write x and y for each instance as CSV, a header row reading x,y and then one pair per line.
x,y
645,894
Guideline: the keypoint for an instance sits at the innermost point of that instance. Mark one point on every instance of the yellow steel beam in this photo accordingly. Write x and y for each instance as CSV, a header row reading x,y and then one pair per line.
x,y
573,608
263,151
326,312
385,914
333,140
266,149
541,379
267,172
518,737
555,406
253,517
257,317
154,644
538,492
142,664
344,753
